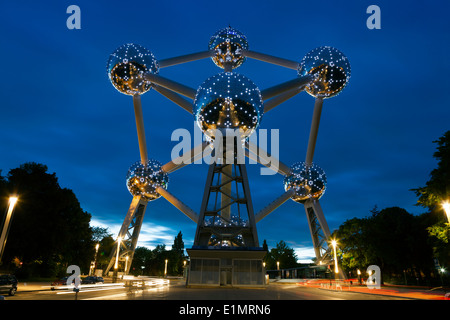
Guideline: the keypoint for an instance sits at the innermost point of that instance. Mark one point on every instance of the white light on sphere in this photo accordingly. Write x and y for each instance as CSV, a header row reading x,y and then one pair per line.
x,y
228,100
331,70
126,67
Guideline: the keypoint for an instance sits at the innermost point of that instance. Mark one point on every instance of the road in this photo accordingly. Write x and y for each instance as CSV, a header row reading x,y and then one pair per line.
x,y
176,290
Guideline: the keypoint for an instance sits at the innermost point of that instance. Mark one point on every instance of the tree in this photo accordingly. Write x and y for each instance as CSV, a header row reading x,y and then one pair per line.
x,y
106,242
392,238
353,245
49,230
435,192
177,256
282,254
437,189
141,261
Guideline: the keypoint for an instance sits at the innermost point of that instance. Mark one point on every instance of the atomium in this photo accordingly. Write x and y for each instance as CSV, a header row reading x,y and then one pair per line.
x,y
126,67
143,180
308,182
228,100
330,68
228,44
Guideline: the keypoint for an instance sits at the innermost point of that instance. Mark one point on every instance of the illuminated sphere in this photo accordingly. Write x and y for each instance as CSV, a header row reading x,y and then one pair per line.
x,y
228,44
331,69
143,180
126,67
308,182
228,100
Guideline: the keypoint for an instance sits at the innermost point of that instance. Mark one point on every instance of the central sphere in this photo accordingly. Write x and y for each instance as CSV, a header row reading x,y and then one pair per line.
x,y
228,100
308,182
144,179
127,65
228,44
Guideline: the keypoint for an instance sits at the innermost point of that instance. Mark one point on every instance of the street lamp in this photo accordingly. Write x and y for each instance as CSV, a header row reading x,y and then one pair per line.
x,y
446,206
94,264
126,264
334,243
165,269
7,224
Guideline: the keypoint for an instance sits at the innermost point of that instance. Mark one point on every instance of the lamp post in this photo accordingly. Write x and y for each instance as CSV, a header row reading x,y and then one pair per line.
x,y
116,264
7,224
446,206
336,270
96,253
278,269
165,268
94,263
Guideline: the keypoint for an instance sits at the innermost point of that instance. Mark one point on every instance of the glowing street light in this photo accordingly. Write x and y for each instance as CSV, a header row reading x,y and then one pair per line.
x,y
94,264
7,224
126,264
446,206
165,268
334,243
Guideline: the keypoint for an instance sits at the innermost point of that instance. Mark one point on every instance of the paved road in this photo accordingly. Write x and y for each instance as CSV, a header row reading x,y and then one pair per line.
x,y
176,290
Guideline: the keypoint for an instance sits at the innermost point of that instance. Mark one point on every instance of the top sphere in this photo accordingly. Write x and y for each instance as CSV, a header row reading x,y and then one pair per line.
x,y
331,69
126,67
228,44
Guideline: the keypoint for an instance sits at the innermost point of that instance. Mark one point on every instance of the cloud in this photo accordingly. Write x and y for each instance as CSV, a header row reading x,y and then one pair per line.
x,y
150,236
304,254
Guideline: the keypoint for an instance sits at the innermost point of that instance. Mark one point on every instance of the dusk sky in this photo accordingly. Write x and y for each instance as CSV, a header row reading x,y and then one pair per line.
x,y
375,140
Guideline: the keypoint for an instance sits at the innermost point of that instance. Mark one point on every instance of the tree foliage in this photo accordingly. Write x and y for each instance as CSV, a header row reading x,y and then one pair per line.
x,y
283,254
49,229
152,262
437,188
392,238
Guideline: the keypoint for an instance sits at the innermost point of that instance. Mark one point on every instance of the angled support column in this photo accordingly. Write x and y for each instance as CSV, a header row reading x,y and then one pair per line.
x,y
171,85
174,97
286,86
201,150
185,58
178,204
271,59
274,205
319,230
272,103
129,233
255,153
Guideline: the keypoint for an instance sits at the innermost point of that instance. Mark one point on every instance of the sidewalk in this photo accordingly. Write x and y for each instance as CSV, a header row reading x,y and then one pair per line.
x,y
385,290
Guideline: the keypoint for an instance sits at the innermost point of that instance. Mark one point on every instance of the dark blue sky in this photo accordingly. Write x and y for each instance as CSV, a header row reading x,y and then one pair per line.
x,y
375,139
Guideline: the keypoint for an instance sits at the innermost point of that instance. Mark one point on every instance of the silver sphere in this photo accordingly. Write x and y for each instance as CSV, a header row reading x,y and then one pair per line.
x,y
331,69
308,182
228,44
228,100
126,67
143,179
